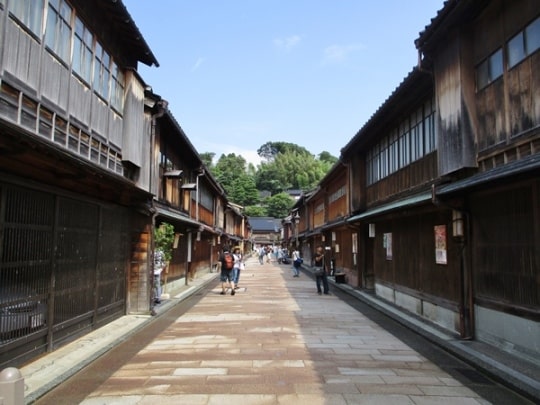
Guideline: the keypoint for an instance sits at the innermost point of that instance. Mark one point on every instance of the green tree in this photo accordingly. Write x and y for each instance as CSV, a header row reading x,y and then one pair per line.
x,y
279,205
164,239
255,211
244,191
208,159
270,150
228,169
231,172
327,157
291,170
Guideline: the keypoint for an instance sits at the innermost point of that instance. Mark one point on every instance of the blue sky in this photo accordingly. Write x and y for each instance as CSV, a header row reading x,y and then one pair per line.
x,y
240,73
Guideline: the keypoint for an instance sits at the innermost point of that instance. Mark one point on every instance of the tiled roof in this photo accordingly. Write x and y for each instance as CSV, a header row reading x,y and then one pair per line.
x,y
264,224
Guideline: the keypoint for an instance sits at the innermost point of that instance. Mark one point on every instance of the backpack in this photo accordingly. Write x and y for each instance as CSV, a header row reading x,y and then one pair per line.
x,y
229,260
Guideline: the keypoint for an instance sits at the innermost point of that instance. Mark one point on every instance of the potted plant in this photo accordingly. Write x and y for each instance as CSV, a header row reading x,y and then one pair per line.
x,y
163,245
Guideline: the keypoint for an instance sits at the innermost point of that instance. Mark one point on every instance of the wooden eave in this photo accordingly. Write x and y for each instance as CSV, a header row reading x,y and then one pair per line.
x,y
30,157
334,171
177,137
454,13
398,105
112,23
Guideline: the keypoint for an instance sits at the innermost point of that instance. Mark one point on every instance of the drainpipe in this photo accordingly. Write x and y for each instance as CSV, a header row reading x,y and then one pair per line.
x,y
201,173
161,106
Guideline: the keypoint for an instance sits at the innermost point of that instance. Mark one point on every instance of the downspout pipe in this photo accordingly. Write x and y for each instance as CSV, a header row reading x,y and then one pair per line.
x,y
161,106
199,174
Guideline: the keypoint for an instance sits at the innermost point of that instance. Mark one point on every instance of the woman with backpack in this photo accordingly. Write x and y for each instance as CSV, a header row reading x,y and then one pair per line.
x,y
227,265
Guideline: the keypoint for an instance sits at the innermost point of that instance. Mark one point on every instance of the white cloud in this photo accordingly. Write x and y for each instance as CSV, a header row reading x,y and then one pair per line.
x,y
219,149
287,43
340,53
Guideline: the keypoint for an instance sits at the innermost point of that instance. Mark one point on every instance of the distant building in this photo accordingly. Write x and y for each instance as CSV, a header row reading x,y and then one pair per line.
x,y
265,230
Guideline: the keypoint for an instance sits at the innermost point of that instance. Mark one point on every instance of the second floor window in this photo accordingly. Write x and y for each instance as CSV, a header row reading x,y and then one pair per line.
x,y
524,43
117,88
82,51
58,31
489,70
409,141
88,59
29,12
101,72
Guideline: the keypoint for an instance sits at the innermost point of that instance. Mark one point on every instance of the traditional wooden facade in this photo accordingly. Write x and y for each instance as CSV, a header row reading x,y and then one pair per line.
x,y
445,178
405,252
323,215
92,161
236,228
75,225
186,196
485,61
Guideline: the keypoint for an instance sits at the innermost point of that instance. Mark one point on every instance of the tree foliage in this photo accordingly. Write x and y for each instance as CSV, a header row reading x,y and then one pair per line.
x,y
231,172
327,157
256,211
278,205
207,158
285,166
270,150
163,240
291,170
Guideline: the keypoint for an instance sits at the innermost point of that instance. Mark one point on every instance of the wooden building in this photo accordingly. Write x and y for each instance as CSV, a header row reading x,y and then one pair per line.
x,y
91,162
75,223
186,196
445,178
323,215
485,61
265,231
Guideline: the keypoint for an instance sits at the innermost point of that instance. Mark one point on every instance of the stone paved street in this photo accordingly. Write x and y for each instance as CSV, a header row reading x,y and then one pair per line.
x,y
275,342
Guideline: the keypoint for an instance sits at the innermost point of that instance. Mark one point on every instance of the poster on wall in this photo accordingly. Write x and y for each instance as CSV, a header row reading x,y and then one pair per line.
x,y
440,244
387,244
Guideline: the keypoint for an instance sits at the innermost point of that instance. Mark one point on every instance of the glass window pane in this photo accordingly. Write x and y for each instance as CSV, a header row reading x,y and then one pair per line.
x,y
482,75
516,50
532,36
496,65
77,55
29,12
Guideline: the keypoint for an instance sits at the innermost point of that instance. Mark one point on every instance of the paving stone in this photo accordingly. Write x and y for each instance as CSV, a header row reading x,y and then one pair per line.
x,y
275,342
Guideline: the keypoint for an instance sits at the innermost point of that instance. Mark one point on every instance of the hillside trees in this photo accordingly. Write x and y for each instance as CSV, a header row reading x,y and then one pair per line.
x,y
232,173
284,166
289,166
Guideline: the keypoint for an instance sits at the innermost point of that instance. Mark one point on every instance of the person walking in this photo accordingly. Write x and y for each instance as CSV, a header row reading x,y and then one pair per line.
x,y
320,271
269,253
279,254
227,264
238,265
262,254
297,262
